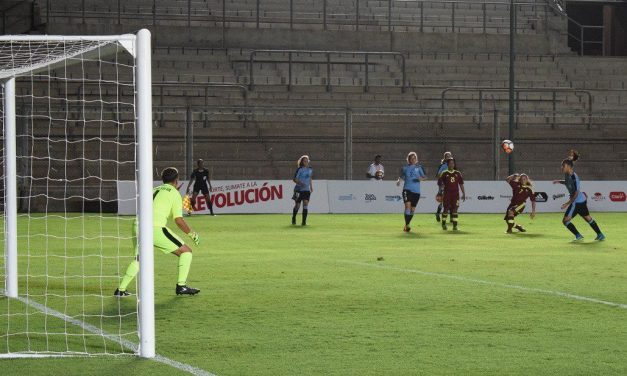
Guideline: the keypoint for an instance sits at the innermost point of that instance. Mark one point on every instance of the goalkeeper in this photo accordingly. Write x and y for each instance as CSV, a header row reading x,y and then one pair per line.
x,y
167,203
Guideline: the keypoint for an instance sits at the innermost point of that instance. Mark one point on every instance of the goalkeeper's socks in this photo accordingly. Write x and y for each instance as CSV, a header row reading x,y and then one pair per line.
x,y
305,212
572,228
185,262
594,226
131,272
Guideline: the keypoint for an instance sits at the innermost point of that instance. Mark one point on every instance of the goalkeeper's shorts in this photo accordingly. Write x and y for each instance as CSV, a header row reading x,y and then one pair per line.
x,y
164,240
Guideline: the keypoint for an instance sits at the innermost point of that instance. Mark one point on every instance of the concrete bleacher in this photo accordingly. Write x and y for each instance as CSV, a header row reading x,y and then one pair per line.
x,y
258,132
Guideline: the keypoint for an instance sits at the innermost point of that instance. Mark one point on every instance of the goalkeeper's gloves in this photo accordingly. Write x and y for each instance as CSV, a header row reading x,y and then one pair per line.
x,y
194,236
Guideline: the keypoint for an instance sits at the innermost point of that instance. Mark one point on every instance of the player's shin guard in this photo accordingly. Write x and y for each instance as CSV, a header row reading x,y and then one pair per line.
x,y
594,226
305,212
572,228
185,262
454,220
131,272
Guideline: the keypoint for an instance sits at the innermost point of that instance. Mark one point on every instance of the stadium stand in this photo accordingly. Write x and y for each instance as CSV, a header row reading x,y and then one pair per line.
x,y
342,80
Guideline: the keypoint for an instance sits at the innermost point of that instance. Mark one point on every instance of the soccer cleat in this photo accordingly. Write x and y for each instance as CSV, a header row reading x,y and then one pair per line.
x,y
600,237
520,228
120,294
184,290
578,238
444,226
304,224
406,228
437,217
509,231
293,222
454,227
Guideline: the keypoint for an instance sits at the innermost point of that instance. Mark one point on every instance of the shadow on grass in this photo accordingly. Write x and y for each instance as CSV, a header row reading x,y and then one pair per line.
x,y
527,235
456,232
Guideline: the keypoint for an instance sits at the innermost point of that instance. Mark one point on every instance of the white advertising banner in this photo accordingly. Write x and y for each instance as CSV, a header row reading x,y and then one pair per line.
x,y
339,196
238,196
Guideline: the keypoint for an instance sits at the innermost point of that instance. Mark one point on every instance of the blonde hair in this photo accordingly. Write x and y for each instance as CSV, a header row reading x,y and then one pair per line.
x,y
298,163
529,182
410,154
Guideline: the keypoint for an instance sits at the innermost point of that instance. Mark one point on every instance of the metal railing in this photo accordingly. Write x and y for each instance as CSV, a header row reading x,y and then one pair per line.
x,y
580,33
328,62
386,17
486,89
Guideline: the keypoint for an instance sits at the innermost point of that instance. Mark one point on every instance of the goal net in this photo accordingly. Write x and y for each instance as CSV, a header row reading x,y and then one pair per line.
x,y
76,119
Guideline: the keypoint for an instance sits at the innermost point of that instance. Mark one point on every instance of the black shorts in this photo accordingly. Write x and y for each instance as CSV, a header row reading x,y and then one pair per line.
x,y
301,196
573,209
409,196
201,188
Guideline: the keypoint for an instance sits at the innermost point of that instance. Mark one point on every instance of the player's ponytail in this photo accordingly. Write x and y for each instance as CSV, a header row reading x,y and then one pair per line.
x,y
573,155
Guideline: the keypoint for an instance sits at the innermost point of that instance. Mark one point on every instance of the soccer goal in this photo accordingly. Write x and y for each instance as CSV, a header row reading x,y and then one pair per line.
x,y
76,118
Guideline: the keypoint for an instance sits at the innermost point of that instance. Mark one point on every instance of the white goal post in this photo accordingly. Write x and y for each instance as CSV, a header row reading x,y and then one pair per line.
x,y
32,57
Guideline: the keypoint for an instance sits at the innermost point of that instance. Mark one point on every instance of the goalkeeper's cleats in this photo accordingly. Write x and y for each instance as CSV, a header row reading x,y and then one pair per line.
x,y
185,290
121,294
194,236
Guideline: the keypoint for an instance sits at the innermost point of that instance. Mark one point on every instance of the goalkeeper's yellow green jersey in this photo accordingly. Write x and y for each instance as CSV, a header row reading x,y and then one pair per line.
x,y
166,203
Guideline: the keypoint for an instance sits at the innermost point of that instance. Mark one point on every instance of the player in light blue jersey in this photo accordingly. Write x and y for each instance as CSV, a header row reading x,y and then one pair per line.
x,y
411,175
443,167
577,204
303,189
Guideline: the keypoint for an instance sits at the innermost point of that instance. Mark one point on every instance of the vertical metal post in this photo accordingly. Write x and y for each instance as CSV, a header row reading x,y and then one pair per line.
x,y
366,72
512,82
453,17
517,107
119,12
83,11
485,16
324,14
257,7
251,83
328,71
581,34
554,107
480,109
291,14
289,71
146,291
189,140
546,18
389,15
154,12
356,14
422,15
189,16
496,144
223,23
348,145
48,9
10,241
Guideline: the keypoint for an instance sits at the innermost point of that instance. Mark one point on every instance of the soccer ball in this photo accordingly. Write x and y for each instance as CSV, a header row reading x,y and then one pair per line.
x,y
507,146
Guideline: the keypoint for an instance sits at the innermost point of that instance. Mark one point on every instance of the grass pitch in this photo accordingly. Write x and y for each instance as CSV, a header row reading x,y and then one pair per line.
x,y
353,294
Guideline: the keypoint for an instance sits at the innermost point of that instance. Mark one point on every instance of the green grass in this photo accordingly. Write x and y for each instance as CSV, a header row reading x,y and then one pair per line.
x,y
283,300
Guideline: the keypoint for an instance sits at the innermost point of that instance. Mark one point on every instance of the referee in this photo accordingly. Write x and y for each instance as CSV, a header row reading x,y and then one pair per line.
x,y
200,178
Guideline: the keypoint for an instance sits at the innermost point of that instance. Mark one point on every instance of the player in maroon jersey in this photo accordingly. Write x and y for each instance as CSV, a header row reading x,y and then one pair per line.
x,y
451,182
522,189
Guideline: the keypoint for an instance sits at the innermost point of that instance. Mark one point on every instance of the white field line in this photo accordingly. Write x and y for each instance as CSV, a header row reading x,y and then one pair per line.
x,y
95,330
490,283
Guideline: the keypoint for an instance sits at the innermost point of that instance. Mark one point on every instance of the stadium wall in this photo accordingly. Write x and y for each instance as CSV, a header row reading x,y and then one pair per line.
x,y
341,196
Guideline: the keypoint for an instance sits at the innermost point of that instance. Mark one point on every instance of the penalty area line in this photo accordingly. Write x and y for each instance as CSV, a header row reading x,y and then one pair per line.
x,y
117,339
491,283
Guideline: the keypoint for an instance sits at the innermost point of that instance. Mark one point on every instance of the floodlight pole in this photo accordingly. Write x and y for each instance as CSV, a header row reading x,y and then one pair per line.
x,y
10,176
512,82
146,291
